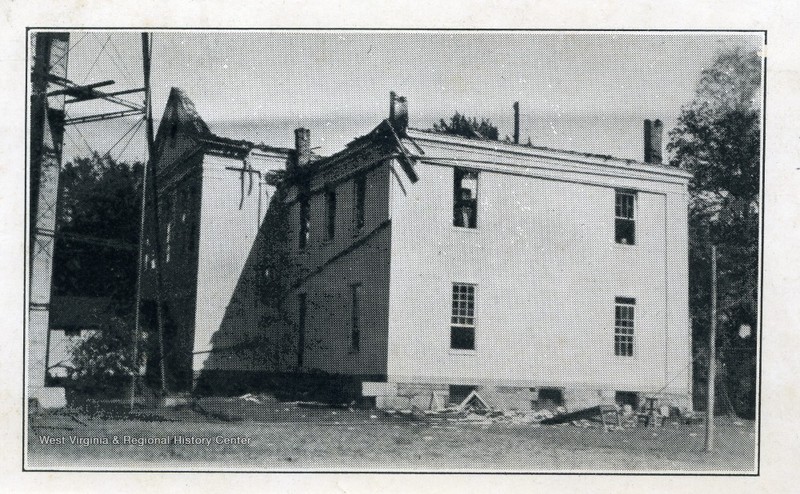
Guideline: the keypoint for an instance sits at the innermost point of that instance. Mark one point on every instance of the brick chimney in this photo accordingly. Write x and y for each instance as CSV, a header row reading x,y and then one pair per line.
x,y
398,112
516,122
302,146
652,141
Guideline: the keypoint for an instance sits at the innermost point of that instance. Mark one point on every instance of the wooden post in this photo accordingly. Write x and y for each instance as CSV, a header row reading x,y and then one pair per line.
x,y
146,51
712,354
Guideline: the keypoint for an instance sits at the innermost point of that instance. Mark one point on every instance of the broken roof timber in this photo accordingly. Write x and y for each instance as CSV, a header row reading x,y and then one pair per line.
x,y
449,147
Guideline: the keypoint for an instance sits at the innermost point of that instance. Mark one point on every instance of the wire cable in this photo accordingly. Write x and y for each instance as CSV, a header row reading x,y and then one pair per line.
x,y
135,124
102,49
128,77
50,67
138,126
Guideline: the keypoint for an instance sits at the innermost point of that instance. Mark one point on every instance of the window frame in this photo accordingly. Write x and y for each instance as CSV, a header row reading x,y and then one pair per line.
x,y
304,233
302,317
330,213
355,317
456,314
622,220
459,173
359,203
624,327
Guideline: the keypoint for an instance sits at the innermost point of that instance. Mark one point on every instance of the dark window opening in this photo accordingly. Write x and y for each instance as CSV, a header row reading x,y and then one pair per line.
x,y
304,224
627,398
623,326
330,207
462,320
192,234
355,321
625,217
548,398
301,328
465,198
459,393
173,132
360,199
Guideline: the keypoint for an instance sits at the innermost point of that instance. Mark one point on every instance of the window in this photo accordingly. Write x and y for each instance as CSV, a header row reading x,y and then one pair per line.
x,y
624,217
330,209
192,234
355,319
459,392
167,215
301,327
548,398
623,326
627,398
465,198
184,205
305,219
359,197
462,322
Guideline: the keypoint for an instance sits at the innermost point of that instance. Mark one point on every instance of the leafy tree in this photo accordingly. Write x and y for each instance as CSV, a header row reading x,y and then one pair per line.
x,y
97,228
718,139
462,126
103,362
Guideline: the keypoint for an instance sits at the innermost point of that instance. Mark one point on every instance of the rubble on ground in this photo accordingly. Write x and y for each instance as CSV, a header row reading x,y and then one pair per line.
x,y
475,410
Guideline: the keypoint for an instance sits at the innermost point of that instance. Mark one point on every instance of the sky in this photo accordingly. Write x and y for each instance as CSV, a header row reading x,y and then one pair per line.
x,y
578,91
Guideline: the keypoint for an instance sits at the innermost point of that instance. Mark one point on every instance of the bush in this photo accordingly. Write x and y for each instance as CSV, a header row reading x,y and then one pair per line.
x,y
103,363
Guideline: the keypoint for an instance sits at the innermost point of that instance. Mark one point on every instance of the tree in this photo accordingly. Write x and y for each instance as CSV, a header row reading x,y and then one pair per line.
x,y
97,228
103,362
718,139
462,126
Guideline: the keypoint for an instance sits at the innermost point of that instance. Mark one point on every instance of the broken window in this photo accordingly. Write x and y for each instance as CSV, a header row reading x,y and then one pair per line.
x,y
462,322
330,209
465,198
459,392
305,219
301,327
359,201
623,326
167,216
355,319
627,398
624,217
548,398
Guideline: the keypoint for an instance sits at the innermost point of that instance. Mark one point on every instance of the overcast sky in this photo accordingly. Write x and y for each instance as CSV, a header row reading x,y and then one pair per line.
x,y
580,91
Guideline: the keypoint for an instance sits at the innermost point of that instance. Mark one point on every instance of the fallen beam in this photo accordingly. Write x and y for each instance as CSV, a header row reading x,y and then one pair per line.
x,y
586,413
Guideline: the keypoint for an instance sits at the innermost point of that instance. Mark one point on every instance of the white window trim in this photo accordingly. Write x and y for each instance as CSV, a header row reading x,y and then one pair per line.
x,y
474,326
632,335
634,217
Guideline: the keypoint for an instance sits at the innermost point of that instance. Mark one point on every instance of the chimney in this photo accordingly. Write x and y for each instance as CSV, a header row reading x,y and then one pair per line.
x,y
398,112
516,122
652,141
302,146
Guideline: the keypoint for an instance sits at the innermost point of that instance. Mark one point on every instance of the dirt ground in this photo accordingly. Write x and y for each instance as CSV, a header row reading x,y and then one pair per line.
x,y
229,435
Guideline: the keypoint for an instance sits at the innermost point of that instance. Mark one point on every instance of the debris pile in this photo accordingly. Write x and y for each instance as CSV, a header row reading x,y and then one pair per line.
x,y
476,410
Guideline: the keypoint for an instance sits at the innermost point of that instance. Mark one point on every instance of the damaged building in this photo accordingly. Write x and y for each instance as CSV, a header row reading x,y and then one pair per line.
x,y
421,266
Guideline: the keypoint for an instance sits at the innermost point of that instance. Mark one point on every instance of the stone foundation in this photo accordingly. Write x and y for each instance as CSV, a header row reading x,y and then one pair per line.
x,y
435,396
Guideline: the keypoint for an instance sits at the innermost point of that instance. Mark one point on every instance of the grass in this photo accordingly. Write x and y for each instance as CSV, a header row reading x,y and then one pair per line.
x,y
287,437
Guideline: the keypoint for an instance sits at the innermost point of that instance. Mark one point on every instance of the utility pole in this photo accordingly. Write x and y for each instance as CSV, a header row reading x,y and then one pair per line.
x,y
151,168
142,219
712,354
